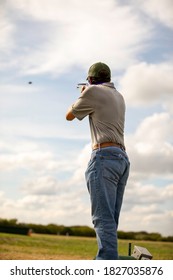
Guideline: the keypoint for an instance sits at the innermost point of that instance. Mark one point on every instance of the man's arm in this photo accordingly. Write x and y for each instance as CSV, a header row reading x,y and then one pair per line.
x,y
69,115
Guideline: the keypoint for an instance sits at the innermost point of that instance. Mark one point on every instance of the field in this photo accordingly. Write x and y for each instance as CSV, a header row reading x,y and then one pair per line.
x,y
52,247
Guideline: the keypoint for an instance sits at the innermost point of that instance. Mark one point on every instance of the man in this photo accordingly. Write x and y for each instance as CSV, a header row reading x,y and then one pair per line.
x,y
108,168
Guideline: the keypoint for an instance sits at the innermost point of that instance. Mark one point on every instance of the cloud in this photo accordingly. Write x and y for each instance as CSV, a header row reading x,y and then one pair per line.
x,y
150,147
81,24
7,30
45,185
159,10
48,196
63,209
147,207
142,218
144,195
82,161
43,129
28,155
38,111
147,84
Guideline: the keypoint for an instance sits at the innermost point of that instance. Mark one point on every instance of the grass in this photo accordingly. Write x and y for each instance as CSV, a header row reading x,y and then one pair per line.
x,y
51,247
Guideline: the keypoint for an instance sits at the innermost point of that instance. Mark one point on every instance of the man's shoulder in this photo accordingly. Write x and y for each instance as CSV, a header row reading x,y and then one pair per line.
x,y
90,90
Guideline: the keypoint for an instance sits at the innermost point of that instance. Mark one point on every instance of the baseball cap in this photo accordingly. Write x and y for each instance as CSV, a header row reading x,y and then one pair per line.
x,y
99,70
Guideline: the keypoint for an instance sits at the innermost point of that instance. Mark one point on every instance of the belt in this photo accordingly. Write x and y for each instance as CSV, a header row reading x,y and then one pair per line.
x,y
108,144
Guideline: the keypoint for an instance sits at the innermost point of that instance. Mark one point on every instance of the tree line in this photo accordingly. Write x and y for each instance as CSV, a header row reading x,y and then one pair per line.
x,y
12,226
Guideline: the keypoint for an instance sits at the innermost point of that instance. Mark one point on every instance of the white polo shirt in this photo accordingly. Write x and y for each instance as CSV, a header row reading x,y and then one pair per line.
x,y
105,107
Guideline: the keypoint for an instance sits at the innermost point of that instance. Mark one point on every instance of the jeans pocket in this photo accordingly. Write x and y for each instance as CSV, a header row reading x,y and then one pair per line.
x,y
113,168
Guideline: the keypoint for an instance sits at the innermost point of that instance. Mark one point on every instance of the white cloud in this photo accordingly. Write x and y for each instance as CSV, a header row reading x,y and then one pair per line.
x,y
82,161
45,185
70,207
148,84
142,218
151,147
39,129
160,10
31,156
147,207
75,35
47,197
147,196
7,30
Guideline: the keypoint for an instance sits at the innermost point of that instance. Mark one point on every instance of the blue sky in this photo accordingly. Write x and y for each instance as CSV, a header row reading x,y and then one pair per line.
x,y
43,157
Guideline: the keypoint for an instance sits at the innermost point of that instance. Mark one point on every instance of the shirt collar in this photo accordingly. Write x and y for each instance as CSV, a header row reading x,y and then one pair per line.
x,y
109,84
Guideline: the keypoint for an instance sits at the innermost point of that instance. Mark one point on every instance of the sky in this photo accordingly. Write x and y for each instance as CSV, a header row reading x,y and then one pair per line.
x,y
43,157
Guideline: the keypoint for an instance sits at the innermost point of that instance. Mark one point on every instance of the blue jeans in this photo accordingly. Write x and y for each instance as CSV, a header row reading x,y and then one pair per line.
x,y
106,177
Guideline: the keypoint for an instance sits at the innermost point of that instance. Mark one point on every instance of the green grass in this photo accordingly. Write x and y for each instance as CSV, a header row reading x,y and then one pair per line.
x,y
51,247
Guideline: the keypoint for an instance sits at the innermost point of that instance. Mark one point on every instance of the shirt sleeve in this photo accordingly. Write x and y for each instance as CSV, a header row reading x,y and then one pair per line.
x,y
83,105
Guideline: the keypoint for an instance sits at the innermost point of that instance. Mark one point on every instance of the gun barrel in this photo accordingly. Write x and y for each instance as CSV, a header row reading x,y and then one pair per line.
x,y
81,85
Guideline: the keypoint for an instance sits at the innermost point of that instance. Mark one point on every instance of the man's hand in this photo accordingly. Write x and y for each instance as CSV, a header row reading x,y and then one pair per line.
x,y
69,115
83,88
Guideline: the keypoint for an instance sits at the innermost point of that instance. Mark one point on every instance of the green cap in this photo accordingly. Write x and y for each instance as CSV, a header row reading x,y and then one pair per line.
x,y
99,70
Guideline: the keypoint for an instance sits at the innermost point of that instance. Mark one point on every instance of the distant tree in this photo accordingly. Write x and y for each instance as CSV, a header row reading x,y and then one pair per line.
x,y
78,231
13,221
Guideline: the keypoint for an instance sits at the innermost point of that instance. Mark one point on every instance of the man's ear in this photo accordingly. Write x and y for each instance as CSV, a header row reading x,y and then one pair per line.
x,y
90,80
